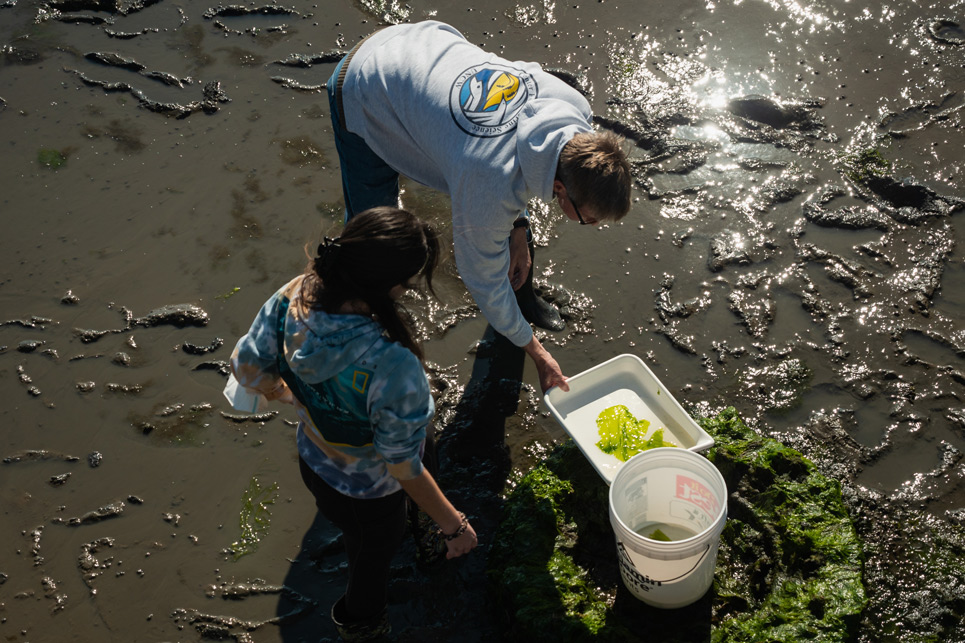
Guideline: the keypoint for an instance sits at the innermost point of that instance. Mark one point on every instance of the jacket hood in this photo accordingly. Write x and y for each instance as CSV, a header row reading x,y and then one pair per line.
x,y
328,344
541,139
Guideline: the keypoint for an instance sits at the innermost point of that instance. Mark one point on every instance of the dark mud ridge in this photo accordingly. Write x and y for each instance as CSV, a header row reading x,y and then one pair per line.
x,y
790,565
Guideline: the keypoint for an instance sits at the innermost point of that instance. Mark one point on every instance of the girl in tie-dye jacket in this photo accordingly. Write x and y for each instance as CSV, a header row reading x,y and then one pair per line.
x,y
336,344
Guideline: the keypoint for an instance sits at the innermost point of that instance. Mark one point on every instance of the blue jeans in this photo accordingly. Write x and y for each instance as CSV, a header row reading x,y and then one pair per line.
x,y
367,180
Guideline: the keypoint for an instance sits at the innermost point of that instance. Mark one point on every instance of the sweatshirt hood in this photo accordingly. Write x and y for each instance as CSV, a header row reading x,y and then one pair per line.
x,y
541,139
328,344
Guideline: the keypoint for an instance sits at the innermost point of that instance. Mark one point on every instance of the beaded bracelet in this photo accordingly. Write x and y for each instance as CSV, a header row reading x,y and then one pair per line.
x,y
463,526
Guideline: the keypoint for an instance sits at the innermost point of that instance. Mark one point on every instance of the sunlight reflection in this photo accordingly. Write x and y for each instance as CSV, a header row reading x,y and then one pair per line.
x,y
866,313
806,14
705,132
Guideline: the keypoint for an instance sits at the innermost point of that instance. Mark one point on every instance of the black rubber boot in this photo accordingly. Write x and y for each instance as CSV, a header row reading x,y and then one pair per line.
x,y
375,629
536,310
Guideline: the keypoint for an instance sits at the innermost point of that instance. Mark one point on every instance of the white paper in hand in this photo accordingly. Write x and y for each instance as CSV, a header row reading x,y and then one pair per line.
x,y
241,399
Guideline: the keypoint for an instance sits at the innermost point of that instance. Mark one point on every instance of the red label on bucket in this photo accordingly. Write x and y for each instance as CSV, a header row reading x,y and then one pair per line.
x,y
695,492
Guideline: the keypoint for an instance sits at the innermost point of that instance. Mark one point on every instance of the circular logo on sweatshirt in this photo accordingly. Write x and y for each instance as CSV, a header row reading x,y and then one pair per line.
x,y
485,99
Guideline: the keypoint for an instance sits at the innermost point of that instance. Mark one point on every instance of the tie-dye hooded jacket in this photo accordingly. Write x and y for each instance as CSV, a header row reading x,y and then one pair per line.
x,y
362,400
485,130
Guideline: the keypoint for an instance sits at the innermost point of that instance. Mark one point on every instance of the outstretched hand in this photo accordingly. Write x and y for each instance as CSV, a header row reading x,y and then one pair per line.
x,y
550,374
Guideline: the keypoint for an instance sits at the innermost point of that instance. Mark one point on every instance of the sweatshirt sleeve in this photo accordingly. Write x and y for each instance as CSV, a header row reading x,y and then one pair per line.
x,y
400,410
254,360
482,257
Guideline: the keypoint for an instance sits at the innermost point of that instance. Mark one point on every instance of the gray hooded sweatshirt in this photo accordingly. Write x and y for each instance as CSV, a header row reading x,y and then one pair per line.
x,y
484,130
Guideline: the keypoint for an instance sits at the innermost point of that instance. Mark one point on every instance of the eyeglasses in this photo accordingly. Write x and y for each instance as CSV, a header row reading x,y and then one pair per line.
x,y
578,215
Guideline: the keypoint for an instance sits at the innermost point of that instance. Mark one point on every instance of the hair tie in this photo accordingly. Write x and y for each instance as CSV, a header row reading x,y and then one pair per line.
x,y
328,245
328,252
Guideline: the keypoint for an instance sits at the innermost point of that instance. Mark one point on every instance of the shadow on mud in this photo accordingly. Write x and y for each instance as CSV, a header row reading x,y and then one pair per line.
x,y
447,602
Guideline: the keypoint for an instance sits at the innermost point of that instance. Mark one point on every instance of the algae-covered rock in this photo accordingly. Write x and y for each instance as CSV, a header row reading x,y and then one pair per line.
x,y
789,566
790,561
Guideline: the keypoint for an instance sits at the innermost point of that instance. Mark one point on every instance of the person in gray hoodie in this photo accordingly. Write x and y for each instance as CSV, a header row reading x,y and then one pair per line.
x,y
335,343
420,100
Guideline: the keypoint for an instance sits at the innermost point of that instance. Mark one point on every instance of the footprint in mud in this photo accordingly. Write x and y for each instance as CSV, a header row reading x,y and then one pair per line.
x,y
761,109
948,32
212,95
250,20
220,628
763,119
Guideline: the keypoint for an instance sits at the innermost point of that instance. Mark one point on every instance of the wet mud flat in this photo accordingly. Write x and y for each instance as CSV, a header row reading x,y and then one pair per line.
x,y
794,252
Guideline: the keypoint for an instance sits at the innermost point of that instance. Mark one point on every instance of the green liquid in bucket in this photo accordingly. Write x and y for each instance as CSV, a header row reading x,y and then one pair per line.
x,y
665,532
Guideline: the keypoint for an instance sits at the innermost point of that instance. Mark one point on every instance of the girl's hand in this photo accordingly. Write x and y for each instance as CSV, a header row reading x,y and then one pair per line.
x,y
463,543
460,540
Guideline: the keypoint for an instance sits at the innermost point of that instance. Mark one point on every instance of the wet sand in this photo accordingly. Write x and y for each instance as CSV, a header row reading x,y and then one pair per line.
x,y
794,251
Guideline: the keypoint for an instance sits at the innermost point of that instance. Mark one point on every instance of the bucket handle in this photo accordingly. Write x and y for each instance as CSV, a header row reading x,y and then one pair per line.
x,y
629,562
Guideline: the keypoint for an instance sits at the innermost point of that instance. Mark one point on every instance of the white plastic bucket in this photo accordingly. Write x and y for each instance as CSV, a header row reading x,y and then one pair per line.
x,y
680,492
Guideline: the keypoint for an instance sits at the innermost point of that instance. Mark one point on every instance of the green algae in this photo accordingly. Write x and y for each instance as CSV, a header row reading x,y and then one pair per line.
x,y
532,567
623,435
789,566
54,159
255,517
231,293
865,164
657,534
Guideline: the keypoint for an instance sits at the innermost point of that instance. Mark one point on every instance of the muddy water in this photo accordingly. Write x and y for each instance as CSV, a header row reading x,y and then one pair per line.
x,y
794,251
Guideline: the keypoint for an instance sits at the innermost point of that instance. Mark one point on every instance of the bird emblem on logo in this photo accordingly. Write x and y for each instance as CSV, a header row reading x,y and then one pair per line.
x,y
485,100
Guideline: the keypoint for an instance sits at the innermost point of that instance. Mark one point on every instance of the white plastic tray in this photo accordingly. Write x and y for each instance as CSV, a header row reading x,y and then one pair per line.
x,y
625,380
